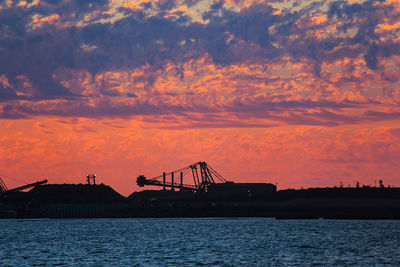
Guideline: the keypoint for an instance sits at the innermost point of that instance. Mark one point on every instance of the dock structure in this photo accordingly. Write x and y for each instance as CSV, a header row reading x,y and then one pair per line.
x,y
203,175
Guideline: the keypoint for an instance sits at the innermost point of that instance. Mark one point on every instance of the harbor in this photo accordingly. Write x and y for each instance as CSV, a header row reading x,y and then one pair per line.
x,y
207,195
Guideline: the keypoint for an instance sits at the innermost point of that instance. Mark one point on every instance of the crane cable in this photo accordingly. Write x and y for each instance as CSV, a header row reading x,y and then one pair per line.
x,y
186,169
13,179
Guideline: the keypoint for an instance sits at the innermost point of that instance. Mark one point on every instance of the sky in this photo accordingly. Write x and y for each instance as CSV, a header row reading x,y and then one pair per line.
x,y
295,93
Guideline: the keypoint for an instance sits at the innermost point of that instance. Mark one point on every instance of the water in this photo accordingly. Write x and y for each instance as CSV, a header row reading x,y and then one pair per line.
x,y
199,242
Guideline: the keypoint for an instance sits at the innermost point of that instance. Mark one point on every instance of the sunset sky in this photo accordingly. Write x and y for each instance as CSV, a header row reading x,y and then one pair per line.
x,y
296,93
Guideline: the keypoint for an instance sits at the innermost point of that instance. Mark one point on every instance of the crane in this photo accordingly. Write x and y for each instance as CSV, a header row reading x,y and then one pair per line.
x,y
202,173
4,188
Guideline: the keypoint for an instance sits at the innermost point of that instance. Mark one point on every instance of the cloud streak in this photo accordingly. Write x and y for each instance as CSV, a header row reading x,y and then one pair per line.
x,y
326,63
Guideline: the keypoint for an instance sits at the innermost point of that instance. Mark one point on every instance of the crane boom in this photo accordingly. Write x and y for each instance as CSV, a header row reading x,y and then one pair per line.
x,y
5,190
203,176
142,181
20,188
3,186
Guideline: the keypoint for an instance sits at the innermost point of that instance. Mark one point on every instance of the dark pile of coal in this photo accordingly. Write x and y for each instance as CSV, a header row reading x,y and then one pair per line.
x,y
76,193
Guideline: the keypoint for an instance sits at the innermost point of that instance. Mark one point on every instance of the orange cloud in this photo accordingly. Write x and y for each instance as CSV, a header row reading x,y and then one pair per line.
x,y
176,13
39,21
135,5
277,92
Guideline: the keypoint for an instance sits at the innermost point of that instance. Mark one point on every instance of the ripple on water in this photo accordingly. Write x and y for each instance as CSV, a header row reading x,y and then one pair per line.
x,y
199,242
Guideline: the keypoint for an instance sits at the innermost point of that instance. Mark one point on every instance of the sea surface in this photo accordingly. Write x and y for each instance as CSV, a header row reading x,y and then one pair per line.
x,y
199,242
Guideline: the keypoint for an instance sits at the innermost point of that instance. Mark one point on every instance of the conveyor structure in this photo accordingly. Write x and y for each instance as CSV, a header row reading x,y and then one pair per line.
x,y
203,175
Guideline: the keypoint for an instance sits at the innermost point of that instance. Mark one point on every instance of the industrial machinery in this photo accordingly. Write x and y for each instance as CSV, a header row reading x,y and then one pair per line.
x,y
91,179
4,189
202,173
3,186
